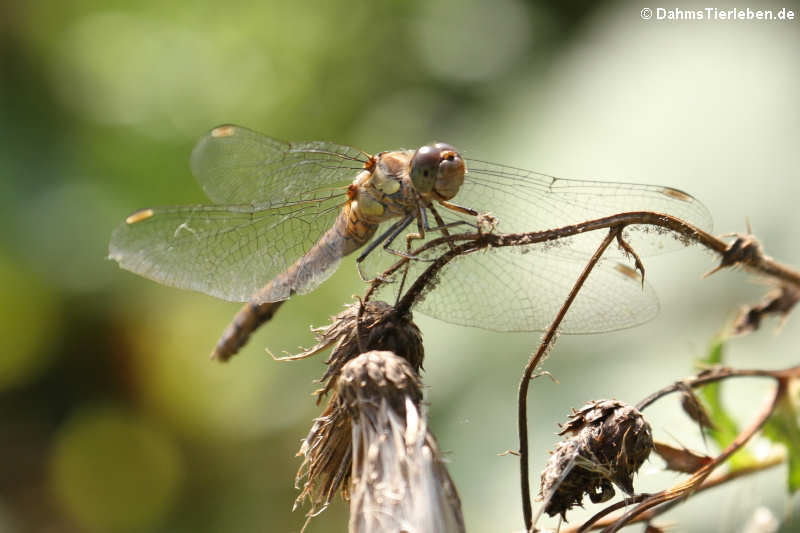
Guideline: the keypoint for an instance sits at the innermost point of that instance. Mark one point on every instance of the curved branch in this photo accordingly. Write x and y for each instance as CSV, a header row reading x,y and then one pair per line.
x,y
744,250
695,480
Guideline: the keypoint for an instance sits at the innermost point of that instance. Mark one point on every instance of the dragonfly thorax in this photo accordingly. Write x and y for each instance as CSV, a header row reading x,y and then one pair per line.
x,y
385,190
397,181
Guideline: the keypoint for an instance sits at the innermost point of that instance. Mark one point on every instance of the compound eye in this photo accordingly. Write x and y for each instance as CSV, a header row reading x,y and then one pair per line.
x,y
448,152
425,168
451,172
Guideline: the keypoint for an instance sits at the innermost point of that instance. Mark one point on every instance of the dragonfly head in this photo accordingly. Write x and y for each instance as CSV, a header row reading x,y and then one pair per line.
x,y
437,168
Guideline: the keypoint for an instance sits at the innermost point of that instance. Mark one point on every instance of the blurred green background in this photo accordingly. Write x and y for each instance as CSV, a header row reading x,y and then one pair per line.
x,y
112,419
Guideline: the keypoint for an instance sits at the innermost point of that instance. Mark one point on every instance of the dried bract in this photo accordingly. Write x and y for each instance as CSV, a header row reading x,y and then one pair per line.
x,y
693,407
399,482
327,455
486,223
610,441
327,448
777,302
680,459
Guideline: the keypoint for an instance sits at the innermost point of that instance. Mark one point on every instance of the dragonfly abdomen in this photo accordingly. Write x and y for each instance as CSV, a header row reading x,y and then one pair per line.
x,y
350,232
244,323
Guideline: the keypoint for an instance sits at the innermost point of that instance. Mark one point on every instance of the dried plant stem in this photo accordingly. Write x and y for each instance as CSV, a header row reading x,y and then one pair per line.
x,y
743,251
595,521
717,374
547,340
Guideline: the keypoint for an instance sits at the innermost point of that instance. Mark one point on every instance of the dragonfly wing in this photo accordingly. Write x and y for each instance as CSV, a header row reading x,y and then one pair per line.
x,y
225,251
522,289
235,165
525,201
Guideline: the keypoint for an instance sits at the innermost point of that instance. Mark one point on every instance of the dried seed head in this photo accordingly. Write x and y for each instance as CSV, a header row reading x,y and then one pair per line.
x,y
399,482
610,441
378,376
378,327
327,448
326,458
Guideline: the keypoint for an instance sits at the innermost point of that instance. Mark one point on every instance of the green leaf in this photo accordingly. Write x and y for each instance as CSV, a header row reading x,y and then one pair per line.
x,y
715,352
725,427
782,427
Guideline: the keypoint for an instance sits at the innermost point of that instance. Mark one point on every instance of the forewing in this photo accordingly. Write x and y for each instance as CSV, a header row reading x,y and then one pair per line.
x,y
225,251
525,201
235,165
522,288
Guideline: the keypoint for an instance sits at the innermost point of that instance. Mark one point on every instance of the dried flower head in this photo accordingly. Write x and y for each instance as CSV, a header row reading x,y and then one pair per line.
x,y
363,327
610,441
399,482
327,448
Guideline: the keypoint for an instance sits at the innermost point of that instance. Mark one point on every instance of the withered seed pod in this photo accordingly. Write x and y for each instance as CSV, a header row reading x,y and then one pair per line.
x,y
378,327
610,441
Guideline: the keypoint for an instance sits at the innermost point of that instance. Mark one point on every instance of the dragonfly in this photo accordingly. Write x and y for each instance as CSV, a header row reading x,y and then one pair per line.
x,y
285,214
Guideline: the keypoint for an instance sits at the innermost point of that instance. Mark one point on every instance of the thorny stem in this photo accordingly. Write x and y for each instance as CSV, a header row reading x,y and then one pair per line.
x,y
472,242
547,340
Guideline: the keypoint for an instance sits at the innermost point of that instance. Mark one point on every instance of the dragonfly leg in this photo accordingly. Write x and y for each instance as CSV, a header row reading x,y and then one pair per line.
x,y
447,225
458,208
386,237
422,223
389,235
443,227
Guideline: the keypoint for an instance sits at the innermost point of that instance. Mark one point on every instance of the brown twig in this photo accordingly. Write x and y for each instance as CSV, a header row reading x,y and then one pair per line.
x,y
717,374
595,521
522,398
465,243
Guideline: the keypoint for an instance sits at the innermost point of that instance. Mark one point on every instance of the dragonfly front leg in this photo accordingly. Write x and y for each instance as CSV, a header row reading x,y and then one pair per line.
x,y
422,223
396,229
443,227
458,208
